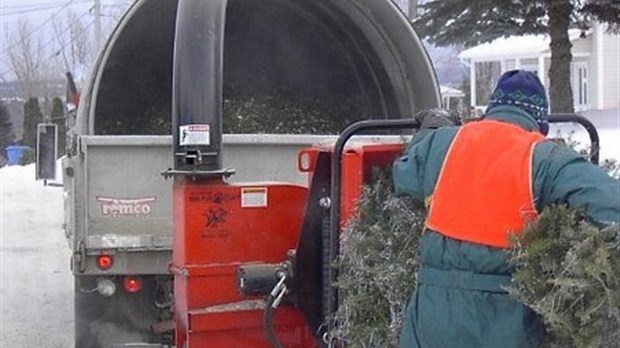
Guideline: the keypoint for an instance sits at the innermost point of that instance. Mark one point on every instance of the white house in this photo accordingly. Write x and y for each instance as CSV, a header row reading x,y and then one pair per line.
x,y
595,69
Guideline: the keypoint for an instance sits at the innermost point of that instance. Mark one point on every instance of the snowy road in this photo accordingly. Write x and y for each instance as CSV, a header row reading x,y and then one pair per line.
x,y
36,286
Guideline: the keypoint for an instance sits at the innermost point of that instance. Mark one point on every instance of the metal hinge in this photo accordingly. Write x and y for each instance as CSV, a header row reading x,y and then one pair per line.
x,y
79,257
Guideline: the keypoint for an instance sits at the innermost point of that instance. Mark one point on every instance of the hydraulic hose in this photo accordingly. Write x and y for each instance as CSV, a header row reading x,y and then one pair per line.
x,y
268,323
273,301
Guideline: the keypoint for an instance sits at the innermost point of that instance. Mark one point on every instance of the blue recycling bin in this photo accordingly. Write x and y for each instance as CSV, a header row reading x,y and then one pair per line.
x,y
14,154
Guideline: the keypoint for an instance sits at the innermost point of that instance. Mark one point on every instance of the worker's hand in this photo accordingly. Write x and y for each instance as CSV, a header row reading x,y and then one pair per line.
x,y
434,118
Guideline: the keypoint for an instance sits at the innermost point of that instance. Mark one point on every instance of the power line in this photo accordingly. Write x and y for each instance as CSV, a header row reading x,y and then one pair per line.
x,y
5,13
46,45
38,27
68,27
4,7
23,9
64,6
56,53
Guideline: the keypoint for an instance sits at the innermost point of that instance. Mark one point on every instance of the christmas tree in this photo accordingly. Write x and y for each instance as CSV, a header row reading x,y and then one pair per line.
x,y
377,267
566,269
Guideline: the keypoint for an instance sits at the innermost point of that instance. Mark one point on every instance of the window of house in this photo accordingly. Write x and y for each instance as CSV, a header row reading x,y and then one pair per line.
x,y
580,85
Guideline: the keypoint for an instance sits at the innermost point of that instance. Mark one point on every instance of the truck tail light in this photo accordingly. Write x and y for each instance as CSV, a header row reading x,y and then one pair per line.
x,y
132,284
106,287
104,262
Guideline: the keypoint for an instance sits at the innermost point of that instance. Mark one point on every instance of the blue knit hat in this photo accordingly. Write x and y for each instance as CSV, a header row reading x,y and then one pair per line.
x,y
524,90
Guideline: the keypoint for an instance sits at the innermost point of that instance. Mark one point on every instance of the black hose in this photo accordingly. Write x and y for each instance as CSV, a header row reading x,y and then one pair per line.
x,y
268,323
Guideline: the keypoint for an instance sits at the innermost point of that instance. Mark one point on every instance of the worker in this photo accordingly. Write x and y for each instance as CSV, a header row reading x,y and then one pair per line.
x,y
481,182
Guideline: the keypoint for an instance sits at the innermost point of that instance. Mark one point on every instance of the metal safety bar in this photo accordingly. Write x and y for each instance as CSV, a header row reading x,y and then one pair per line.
x,y
589,127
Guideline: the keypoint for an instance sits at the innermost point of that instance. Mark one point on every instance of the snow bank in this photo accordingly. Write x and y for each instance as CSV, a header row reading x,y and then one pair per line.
x,y
36,285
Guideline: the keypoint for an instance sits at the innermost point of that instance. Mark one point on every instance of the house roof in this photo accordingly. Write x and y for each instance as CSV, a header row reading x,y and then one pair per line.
x,y
526,46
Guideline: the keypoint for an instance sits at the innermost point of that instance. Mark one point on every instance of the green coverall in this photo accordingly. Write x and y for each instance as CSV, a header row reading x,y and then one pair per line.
x,y
459,301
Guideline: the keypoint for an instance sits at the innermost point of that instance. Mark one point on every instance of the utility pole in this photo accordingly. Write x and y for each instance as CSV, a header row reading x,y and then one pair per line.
x,y
413,9
97,25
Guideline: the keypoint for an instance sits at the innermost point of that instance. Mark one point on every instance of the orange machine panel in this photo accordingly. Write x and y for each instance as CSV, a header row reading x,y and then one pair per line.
x,y
357,164
217,228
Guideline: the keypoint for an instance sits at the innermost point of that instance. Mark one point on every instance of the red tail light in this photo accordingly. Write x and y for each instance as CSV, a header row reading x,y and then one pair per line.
x,y
104,262
132,284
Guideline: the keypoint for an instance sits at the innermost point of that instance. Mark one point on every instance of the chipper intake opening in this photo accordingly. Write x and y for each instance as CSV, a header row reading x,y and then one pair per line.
x,y
302,67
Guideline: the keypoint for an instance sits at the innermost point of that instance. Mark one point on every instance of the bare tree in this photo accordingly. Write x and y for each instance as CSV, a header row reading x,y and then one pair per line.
x,y
38,58
72,38
23,55
29,60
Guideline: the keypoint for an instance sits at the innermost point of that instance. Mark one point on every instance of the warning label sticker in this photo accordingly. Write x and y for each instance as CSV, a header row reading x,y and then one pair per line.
x,y
194,134
253,197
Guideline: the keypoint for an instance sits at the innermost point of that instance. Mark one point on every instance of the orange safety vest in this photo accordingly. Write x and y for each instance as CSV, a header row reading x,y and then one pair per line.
x,y
484,190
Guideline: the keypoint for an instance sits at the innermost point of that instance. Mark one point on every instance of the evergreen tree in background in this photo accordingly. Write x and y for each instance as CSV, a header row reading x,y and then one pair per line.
x,y
7,135
32,117
446,22
58,118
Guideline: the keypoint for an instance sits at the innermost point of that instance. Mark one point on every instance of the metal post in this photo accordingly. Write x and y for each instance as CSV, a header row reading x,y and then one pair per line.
x,y
413,9
97,25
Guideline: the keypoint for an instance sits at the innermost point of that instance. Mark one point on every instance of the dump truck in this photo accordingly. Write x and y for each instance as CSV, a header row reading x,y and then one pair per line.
x,y
350,59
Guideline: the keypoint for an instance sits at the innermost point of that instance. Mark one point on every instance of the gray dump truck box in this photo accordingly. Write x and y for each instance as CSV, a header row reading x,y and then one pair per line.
x,y
119,200
128,203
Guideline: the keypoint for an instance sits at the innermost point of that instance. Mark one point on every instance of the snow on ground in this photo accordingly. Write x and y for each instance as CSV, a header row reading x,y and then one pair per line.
x,y
36,285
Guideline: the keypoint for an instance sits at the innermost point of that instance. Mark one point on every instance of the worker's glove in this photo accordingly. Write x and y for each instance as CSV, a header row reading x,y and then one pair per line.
x,y
434,118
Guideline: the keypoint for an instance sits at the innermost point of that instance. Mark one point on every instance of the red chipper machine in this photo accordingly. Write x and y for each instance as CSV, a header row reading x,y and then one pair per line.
x,y
252,262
